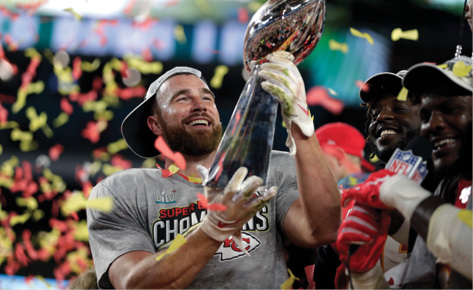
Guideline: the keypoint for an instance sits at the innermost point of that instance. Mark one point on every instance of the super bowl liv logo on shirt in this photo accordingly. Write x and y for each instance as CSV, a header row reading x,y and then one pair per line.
x,y
162,197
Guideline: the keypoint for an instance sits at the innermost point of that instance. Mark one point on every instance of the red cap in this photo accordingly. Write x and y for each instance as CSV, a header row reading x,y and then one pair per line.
x,y
346,137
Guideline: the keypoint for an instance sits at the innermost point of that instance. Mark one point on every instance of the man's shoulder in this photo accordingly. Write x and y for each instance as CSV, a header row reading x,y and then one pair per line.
x,y
125,176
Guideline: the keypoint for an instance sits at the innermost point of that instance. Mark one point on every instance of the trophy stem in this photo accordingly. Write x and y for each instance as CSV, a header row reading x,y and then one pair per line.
x,y
248,139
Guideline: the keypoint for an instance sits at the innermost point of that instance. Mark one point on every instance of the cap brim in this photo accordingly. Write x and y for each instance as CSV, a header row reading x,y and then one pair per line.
x,y
138,136
379,83
425,76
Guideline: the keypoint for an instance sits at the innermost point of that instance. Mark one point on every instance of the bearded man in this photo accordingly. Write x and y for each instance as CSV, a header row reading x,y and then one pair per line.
x,y
160,234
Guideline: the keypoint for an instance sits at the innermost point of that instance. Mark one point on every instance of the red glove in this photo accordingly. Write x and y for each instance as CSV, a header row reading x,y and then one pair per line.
x,y
368,192
368,228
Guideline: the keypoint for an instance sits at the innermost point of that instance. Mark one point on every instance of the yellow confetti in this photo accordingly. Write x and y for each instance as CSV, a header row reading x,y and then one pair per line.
x,y
108,169
460,69
397,34
20,219
179,34
402,95
36,121
176,243
148,163
117,146
217,79
374,159
144,67
8,166
77,16
62,119
104,204
288,283
465,216
74,203
18,135
41,278
334,45
80,231
173,168
352,181
9,125
29,202
90,66
364,35
38,214
194,179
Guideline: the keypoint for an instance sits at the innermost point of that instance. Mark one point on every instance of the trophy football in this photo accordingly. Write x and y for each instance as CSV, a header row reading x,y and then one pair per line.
x,y
291,25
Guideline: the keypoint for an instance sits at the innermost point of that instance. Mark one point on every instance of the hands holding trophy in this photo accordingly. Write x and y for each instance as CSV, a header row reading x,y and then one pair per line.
x,y
281,34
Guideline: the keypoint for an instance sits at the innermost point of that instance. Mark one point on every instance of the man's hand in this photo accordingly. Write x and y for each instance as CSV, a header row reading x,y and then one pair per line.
x,y
366,228
284,82
240,201
368,192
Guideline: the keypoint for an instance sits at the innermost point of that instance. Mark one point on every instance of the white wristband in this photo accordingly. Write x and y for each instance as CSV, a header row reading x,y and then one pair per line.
x,y
403,194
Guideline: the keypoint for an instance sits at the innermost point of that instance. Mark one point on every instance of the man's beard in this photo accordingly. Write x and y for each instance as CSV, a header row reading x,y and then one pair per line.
x,y
385,155
192,143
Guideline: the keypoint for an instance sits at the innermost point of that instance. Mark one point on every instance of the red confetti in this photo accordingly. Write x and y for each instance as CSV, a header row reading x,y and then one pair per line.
x,y
243,15
91,132
66,106
363,87
76,68
3,115
318,95
55,151
177,157
213,206
119,161
129,7
166,173
129,93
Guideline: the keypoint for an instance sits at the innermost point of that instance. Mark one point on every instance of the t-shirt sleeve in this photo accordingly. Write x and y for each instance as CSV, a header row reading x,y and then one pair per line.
x,y
284,176
112,234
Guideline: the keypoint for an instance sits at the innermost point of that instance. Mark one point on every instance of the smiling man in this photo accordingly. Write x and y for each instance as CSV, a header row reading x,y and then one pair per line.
x,y
154,208
442,253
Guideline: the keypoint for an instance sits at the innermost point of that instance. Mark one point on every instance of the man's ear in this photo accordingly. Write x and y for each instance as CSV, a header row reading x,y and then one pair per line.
x,y
154,125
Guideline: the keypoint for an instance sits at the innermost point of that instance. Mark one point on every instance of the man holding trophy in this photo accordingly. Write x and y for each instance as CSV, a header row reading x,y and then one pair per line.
x,y
161,233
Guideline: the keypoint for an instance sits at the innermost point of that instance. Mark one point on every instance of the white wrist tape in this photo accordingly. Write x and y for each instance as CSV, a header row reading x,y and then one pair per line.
x,y
403,194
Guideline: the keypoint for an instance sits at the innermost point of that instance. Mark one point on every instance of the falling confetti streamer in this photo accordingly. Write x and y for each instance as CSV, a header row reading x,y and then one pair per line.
x,y
362,35
177,157
334,45
397,34
217,79
176,244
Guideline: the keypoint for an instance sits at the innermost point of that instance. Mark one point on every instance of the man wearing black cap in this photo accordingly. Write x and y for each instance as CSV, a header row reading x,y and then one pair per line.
x,y
442,254
392,121
140,243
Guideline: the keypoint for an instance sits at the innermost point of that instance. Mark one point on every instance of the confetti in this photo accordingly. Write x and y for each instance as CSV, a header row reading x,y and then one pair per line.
x,y
213,206
219,74
460,69
363,86
178,241
318,95
290,281
397,34
362,35
177,157
402,96
179,34
55,151
334,45
76,15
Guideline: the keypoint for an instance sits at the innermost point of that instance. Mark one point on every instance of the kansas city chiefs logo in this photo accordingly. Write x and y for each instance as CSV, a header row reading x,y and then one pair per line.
x,y
229,249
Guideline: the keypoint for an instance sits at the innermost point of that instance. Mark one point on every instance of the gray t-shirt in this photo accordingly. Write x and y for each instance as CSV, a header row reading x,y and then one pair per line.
x,y
149,211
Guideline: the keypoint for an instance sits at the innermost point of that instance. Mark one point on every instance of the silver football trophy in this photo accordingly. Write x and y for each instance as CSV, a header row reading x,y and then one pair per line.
x,y
291,25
